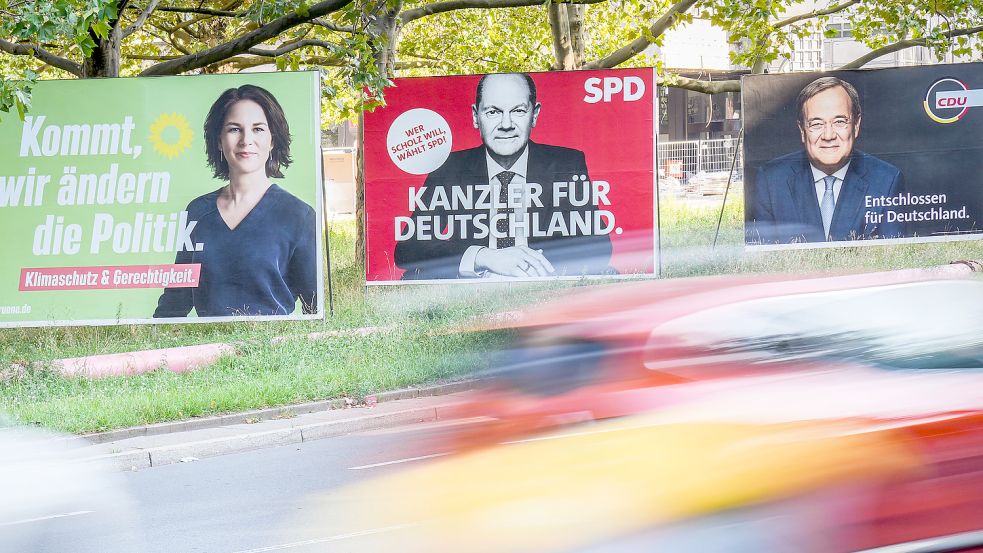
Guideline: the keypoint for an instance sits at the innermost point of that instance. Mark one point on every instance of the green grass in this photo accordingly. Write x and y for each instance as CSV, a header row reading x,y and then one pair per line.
x,y
415,349
260,376
688,231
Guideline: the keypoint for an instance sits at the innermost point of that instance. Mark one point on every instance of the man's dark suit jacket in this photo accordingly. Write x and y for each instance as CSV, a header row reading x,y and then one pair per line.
x,y
784,207
579,255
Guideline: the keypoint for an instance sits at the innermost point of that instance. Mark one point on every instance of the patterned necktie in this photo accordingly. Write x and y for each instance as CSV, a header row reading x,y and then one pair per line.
x,y
827,205
502,226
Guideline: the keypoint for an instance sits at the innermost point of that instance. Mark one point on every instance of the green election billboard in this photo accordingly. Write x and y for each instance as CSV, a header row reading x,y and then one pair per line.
x,y
167,199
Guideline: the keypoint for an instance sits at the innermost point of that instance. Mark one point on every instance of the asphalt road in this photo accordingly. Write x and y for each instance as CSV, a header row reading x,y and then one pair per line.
x,y
248,502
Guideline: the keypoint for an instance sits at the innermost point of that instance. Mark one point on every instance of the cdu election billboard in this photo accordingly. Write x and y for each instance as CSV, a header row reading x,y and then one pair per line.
x,y
165,199
512,176
850,158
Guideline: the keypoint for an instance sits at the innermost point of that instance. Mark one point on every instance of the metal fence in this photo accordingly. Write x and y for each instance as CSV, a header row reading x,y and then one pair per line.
x,y
700,166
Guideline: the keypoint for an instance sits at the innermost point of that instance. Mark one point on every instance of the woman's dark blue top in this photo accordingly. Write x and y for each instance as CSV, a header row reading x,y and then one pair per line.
x,y
259,268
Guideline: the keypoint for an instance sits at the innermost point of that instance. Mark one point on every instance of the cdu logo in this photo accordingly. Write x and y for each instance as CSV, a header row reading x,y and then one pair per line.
x,y
948,100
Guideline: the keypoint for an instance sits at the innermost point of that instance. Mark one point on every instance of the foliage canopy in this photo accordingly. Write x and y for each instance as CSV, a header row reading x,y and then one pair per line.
x,y
361,44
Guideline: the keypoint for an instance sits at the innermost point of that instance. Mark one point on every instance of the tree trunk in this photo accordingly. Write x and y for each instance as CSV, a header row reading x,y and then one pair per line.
x,y
104,61
575,18
384,29
360,261
567,28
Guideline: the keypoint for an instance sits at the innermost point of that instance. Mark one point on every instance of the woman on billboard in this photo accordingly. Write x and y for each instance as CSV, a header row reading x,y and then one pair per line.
x,y
260,254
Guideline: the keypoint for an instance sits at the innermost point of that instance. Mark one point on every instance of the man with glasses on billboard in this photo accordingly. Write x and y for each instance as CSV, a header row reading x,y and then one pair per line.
x,y
819,194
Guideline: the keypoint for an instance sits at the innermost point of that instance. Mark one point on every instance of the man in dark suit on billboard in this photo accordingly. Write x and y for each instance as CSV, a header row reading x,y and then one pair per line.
x,y
519,175
818,194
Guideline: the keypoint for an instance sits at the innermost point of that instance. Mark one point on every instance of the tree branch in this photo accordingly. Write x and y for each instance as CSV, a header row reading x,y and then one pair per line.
x,y
451,5
290,48
47,57
902,44
141,19
332,26
206,16
188,23
815,13
167,36
698,85
636,46
419,64
150,57
245,42
201,11
759,64
245,62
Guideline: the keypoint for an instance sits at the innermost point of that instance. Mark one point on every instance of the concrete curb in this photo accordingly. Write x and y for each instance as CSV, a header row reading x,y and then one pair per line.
x,y
426,391
199,449
215,421
284,412
168,443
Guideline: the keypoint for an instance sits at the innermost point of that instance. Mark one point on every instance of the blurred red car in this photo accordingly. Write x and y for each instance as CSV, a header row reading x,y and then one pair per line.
x,y
608,352
896,357
729,414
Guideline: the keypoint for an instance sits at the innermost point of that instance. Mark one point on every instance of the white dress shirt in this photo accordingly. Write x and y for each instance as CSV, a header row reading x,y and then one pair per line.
x,y
519,216
818,179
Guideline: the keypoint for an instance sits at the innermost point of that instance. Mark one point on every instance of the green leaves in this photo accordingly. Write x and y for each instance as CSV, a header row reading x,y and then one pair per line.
x,y
101,28
478,41
265,11
16,94
473,40
61,22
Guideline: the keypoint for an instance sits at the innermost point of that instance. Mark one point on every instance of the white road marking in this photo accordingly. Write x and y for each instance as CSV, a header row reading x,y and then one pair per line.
x,y
398,461
40,519
338,537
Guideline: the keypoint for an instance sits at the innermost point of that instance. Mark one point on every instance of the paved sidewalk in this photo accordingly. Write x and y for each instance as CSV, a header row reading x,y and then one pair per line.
x,y
162,444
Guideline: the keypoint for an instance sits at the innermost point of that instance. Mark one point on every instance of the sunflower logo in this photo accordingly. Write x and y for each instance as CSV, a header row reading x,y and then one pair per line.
x,y
171,135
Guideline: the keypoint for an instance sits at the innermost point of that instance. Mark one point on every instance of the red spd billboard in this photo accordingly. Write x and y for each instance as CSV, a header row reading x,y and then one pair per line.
x,y
512,176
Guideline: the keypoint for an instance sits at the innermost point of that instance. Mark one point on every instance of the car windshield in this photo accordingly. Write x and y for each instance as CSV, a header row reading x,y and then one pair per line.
x,y
925,325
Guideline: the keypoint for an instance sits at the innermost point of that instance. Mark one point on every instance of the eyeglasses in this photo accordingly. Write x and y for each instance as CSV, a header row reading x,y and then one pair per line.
x,y
839,124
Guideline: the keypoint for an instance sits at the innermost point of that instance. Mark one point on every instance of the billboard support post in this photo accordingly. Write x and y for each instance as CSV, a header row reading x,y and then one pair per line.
x,y
730,178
